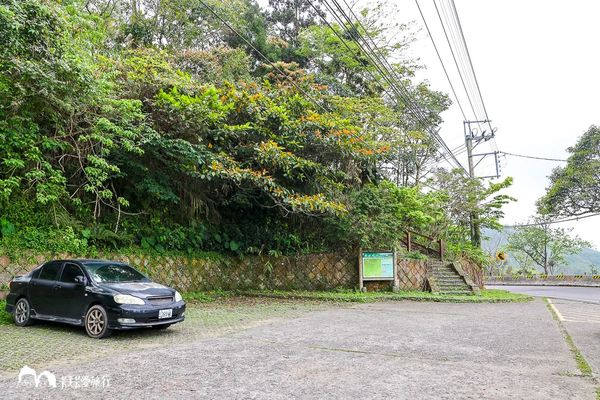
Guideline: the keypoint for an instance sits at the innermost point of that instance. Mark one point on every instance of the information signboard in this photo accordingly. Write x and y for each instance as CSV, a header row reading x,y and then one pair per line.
x,y
378,266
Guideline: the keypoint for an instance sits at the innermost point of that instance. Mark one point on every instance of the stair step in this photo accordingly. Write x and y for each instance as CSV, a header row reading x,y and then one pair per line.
x,y
453,287
452,284
447,276
459,292
443,270
453,279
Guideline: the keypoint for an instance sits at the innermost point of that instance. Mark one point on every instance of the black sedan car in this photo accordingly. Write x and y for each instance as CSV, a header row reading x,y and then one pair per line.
x,y
97,294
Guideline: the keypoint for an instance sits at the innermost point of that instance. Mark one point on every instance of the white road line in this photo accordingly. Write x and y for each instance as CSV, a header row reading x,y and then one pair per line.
x,y
587,321
558,314
569,314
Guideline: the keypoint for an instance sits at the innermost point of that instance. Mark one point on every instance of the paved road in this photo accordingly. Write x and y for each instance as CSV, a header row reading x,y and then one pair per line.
x,y
587,294
400,350
582,321
579,310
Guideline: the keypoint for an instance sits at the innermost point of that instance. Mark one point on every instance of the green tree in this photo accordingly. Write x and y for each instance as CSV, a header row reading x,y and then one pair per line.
x,y
150,123
544,245
58,118
288,18
378,215
463,198
575,189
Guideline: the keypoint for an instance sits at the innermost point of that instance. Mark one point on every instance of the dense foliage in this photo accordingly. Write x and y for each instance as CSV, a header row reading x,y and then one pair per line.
x,y
151,124
575,189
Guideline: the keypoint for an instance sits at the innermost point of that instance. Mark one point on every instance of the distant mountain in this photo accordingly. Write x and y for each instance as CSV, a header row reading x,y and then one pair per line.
x,y
576,264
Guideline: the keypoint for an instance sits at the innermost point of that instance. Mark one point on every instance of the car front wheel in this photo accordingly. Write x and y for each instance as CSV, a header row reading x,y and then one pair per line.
x,y
96,322
23,313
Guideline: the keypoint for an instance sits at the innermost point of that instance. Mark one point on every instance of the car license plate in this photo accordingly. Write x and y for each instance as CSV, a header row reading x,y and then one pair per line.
x,y
168,313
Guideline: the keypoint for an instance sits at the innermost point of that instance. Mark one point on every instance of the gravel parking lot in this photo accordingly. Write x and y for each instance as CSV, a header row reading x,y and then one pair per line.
x,y
309,350
43,344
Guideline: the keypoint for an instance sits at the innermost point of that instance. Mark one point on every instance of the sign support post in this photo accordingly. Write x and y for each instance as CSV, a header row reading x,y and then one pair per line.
x,y
360,272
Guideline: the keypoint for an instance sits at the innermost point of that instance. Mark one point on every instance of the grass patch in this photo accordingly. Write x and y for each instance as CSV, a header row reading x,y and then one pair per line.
x,y
205,297
5,318
486,296
582,365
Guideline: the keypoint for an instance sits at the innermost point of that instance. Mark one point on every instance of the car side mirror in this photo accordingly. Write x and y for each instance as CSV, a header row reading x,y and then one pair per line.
x,y
80,279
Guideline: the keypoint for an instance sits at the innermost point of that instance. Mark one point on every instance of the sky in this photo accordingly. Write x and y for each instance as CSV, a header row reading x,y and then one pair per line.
x,y
537,66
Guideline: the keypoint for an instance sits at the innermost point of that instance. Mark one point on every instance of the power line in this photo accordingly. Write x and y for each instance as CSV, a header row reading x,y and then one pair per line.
x,y
455,40
532,157
369,55
460,50
384,69
441,62
402,93
460,74
228,25
469,58
558,221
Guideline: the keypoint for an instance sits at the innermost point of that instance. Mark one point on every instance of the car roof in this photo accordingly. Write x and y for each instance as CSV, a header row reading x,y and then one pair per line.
x,y
88,261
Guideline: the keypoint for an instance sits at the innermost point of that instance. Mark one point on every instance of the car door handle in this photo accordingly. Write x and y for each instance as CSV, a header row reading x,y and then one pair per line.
x,y
57,287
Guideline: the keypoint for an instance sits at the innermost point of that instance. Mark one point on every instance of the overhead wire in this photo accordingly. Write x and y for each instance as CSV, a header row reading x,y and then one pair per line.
x,y
367,54
460,74
470,60
460,49
558,221
407,101
456,47
462,111
228,25
384,69
533,157
454,37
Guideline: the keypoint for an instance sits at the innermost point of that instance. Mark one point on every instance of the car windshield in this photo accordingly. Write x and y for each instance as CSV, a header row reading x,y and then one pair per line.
x,y
108,272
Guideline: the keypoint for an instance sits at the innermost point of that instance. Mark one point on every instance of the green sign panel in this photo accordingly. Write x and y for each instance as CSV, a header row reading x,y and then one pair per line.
x,y
378,266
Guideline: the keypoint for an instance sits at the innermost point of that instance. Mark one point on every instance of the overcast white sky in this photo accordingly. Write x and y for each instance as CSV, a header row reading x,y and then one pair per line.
x,y
537,63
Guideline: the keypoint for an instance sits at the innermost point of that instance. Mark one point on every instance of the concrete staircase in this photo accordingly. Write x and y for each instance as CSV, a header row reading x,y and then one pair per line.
x,y
448,278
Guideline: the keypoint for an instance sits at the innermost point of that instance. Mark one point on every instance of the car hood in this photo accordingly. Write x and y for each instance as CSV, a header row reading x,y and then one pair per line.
x,y
140,289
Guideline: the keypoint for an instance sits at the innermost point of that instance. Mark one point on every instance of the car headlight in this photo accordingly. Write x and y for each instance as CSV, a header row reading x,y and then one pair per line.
x,y
127,299
178,296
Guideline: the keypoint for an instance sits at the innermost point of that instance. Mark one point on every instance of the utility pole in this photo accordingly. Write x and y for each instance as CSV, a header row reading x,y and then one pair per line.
x,y
472,140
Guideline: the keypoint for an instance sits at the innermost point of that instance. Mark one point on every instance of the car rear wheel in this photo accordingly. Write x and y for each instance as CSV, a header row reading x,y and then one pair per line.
x,y
23,313
96,322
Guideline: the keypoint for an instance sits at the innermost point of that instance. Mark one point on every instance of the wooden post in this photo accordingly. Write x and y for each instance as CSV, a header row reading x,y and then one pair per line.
x,y
441,242
408,241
